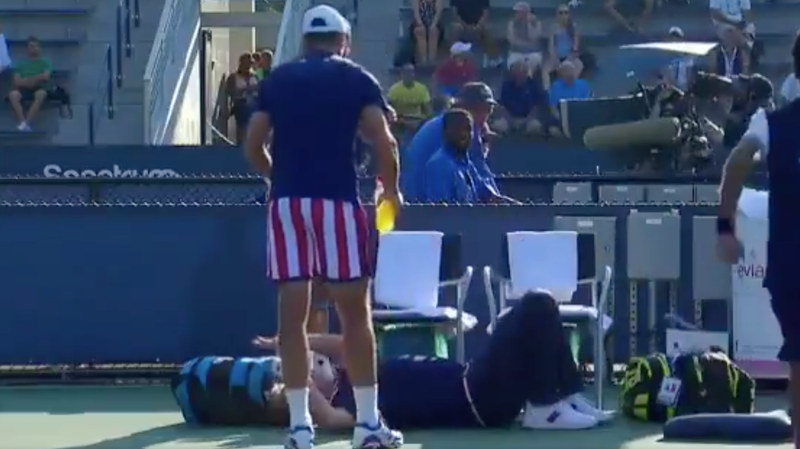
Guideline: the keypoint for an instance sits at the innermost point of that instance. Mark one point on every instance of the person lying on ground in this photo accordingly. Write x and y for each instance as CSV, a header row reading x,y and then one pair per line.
x,y
526,364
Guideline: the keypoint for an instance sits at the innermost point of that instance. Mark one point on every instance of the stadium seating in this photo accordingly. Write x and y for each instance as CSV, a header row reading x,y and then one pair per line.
x,y
775,28
78,36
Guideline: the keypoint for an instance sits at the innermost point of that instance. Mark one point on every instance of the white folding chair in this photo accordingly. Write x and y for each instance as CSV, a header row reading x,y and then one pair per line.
x,y
556,261
411,269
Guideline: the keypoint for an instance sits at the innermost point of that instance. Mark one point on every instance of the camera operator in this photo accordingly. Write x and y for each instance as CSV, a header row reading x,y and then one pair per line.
x,y
751,93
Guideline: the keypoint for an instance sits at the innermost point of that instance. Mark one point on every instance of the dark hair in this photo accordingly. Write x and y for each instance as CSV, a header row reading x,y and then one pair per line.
x,y
33,40
796,55
322,39
454,114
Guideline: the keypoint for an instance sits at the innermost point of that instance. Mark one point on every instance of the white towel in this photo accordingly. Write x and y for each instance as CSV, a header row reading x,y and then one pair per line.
x,y
545,261
5,57
407,274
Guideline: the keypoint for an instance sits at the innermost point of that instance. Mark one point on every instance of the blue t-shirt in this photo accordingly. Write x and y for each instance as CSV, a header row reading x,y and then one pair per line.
x,y
428,140
559,90
450,179
520,98
416,392
315,105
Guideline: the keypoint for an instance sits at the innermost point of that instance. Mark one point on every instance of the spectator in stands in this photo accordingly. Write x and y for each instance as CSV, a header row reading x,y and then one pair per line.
x,y
567,87
681,71
643,8
524,106
564,42
5,57
790,89
472,25
730,58
410,99
732,15
525,37
450,176
33,82
264,63
478,100
427,29
456,71
242,90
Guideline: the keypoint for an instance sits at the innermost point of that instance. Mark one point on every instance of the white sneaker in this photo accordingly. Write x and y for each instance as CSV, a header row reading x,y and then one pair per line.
x,y
376,437
300,437
585,406
560,416
23,127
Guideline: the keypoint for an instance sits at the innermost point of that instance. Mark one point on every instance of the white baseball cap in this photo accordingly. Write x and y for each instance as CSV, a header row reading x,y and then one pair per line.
x,y
460,48
324,19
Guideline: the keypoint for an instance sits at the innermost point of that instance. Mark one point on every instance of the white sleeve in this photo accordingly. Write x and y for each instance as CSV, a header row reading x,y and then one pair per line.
x,y
759,131
715,4
744,5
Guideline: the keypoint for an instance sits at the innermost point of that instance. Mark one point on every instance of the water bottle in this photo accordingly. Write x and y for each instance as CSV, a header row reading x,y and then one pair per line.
x,y
384,211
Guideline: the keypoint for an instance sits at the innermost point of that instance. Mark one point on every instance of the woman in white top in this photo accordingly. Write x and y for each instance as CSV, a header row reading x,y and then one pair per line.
x,y
525,37
790,89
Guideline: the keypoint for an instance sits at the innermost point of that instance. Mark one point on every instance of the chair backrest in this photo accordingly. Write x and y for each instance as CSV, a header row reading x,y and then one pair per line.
x,y
552,260
410,266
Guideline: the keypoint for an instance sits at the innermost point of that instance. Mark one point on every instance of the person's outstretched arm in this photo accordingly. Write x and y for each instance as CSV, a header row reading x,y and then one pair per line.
x,y
329,345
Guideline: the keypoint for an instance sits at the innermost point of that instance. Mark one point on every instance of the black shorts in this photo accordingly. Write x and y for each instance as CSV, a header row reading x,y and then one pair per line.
x,y
28,94
786,307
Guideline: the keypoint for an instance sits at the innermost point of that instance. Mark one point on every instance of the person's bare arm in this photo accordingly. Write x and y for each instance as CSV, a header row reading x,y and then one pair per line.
x,y
484,18
417,16
437,17
510,35
259,132
734,173
717,15
327,416
20,81
375,129
329,345
576,41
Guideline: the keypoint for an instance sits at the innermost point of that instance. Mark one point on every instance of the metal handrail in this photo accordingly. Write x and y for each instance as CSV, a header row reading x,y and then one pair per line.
x,y
104,98
123,37
137,16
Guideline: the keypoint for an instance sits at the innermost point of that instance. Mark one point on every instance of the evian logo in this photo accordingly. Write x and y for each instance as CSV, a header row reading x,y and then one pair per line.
x,y
56,171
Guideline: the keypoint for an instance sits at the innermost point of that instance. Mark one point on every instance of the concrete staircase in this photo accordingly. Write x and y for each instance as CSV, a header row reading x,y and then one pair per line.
x,y
75,35
127,124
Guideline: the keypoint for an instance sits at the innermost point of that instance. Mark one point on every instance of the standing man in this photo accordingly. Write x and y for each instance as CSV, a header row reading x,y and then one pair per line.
x,y
773,136
312,109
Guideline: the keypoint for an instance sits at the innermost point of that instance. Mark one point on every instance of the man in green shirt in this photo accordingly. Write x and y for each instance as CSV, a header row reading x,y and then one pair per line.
x,y
32,83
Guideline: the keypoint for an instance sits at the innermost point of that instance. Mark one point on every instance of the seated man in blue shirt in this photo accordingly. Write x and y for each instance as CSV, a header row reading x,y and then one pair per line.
x,y
478,100
449,174
567,87
524,104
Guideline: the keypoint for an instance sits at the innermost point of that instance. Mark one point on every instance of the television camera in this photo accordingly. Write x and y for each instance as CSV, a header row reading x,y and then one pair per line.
x,y
669,129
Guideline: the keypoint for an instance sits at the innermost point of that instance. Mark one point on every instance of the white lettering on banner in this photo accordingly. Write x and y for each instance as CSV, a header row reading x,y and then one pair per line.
x,y
56,171
756,334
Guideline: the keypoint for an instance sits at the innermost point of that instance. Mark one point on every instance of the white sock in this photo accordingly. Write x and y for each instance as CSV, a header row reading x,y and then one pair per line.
x,y
366,405
299,413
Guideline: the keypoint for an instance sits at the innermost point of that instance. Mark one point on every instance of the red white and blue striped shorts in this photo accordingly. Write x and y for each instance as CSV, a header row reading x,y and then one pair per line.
x,y
317,238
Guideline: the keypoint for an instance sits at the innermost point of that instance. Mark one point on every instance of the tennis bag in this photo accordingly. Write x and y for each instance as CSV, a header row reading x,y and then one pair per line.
x,y
224,390
702,382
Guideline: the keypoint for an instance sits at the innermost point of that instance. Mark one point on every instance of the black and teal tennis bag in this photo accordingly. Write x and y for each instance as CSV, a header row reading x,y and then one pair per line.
x,y
709,383
224,390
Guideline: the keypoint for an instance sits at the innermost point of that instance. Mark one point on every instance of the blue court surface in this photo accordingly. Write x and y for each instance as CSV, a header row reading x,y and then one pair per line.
x,y
145,417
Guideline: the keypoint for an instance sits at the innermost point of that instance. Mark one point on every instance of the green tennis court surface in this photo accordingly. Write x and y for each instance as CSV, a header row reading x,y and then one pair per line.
x,y
145,417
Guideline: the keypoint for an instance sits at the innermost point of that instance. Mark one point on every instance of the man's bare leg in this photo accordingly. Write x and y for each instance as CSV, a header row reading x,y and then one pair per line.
x,y
294,301
39,98
319,319
354,309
